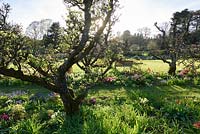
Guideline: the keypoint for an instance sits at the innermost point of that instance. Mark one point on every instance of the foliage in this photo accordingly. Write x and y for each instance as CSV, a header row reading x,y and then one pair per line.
x,y
178,42
29,126
128,101
133,44
54,36
37,29
18,112
46,62
117,109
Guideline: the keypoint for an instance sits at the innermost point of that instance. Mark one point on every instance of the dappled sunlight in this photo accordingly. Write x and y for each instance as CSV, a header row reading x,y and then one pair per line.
x,y
179,89
190,92
88,78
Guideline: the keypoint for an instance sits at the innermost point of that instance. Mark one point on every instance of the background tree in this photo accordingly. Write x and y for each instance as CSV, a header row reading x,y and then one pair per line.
x,y
127,42
190,53
145,31
152,45
49,70
37,29
4,12
54,35
174,44
4,24
133,44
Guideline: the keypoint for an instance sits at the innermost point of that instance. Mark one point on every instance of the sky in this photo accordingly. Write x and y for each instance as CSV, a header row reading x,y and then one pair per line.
x,y
134,14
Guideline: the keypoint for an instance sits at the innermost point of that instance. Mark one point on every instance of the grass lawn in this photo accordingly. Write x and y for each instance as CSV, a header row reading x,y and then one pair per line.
x,y
156,66
125,110
118,109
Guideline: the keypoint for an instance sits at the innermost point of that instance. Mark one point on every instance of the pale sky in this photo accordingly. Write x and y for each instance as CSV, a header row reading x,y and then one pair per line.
x,y
134,13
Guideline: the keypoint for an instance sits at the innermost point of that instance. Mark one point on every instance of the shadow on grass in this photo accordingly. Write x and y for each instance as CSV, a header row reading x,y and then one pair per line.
x,y
160,95
105,115
157,95
85,122
30,89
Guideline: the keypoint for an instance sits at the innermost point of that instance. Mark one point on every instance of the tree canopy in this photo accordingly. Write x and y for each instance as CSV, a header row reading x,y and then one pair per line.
x,y
21,58
182,35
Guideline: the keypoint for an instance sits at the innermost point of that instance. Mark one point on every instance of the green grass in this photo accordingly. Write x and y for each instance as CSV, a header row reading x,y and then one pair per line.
x,y
156,94
121,110
164,109
156,66
173,108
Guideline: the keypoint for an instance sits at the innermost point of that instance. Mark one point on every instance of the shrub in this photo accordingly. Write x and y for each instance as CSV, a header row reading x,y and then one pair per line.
x,y
29,126
18,112
3,100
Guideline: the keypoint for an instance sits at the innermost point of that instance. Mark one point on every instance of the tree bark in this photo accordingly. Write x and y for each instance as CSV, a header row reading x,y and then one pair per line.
x,y
172,64
172,69
71,106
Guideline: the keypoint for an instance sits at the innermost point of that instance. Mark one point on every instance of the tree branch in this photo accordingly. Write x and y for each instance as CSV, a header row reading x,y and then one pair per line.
x,y
34,79
38,69
75,3
161,58
84,38
98,34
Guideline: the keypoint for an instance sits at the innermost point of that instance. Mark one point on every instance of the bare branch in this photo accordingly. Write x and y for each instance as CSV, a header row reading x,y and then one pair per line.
x,y
160,29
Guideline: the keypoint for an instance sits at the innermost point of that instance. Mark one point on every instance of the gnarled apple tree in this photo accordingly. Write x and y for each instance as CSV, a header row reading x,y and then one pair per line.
x,y
182,42
47,67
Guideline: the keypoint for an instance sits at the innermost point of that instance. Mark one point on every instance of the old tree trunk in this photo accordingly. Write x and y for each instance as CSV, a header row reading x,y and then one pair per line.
x,y
172,64
70,103
172,68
